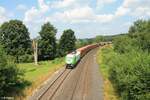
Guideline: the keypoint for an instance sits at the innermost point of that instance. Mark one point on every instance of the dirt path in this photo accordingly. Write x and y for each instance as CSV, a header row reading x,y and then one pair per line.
x,y
81,83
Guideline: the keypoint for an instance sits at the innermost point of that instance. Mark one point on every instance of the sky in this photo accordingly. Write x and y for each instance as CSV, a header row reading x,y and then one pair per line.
x,y
88,18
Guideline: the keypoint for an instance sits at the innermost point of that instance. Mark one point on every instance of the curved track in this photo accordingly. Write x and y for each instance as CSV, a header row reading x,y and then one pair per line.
x,y
81,83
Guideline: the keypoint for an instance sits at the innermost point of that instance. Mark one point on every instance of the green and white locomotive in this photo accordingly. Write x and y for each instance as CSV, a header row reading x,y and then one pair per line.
x,y
72,59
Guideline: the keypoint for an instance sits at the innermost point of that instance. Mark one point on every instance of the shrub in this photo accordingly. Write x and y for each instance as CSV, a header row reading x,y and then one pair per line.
x,y
130,73
124,44
25,58
10,75
129,63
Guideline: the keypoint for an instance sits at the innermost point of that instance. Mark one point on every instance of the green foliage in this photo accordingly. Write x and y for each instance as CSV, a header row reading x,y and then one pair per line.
x,y
129,73
47,43
10,75
14,36
67,42
99,39
25,58
143,41
124,44
141,32
129,62
84,42
81,43
139,26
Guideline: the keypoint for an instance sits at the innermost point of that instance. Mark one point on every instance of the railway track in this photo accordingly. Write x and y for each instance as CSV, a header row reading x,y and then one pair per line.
x,y
50,92
54,86
79,83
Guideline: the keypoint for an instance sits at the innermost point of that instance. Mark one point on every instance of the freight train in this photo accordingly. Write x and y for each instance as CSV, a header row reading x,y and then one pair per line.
x,y
73,57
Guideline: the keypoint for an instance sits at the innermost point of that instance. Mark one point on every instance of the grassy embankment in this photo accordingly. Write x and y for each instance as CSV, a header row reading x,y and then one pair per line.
x,y
109,91
37,74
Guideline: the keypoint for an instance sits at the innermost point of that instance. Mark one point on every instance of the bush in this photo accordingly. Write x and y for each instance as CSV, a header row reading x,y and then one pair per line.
x,y
129,63
58,60
143,40
124,44
10,75
129,73
25,58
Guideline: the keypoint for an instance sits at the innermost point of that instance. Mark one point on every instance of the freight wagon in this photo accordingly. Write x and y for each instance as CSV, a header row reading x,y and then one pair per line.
x,y
73,57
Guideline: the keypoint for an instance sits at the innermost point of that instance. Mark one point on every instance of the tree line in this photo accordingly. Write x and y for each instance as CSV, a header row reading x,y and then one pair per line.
x,y
15,39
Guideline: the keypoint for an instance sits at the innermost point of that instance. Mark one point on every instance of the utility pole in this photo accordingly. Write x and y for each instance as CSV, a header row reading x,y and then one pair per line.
x,y
35,50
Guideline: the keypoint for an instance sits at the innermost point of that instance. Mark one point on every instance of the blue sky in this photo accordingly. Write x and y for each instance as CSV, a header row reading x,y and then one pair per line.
x,y
87,18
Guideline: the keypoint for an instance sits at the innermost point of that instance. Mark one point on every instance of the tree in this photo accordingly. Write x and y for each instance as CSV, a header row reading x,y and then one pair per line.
x,y
14,36
139,26
47,43
141,32
99,39
124,44
67,42
10,75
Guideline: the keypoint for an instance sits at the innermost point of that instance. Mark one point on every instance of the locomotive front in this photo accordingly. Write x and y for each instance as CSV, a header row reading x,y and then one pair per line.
x,y
71,59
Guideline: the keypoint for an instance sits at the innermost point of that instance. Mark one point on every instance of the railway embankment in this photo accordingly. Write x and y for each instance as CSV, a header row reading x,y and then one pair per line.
x,y
109,91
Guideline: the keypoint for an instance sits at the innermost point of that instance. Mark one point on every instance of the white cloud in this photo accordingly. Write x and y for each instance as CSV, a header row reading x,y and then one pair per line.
x,y
21,7
43,6
129,3
77,11
74,15
121,11
32,14
135,7
142,11
3,15
82,14
105,1
34,17
63,3
101,3
87,14
35,14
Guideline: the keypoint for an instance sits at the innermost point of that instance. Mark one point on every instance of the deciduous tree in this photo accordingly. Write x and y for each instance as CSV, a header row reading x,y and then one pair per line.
x,y
67,42
47,43
14,36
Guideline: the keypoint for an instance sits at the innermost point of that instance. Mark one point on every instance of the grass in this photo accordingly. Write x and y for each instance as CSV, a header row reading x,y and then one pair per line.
x,y
37,74
109,91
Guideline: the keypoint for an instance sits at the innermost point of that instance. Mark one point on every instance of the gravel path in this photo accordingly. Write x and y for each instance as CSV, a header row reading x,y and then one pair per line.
x,y
82,83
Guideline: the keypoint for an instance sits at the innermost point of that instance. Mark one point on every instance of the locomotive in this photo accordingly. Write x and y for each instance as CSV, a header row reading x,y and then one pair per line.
x,y
74,57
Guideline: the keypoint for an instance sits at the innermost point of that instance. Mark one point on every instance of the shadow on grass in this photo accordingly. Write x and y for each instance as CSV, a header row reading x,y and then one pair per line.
x,y
31,70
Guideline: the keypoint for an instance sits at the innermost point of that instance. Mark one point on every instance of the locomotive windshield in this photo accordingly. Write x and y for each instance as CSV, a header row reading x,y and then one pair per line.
x,y
74,52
